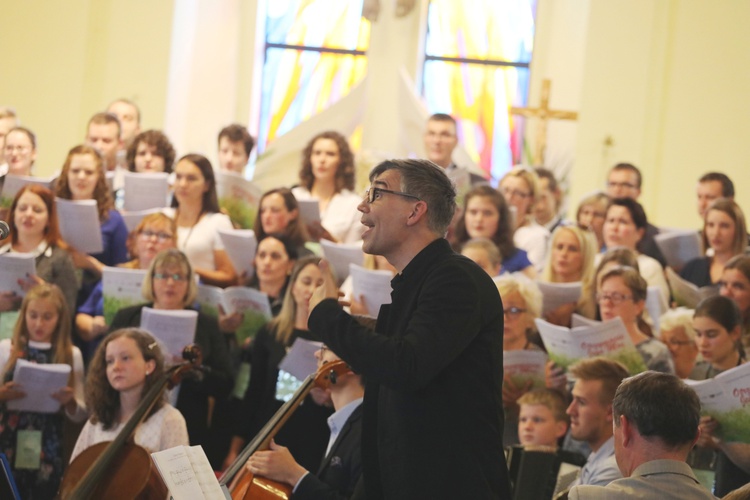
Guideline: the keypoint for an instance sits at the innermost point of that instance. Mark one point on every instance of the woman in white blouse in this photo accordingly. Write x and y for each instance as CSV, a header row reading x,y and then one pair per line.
x,y
327,175
195,209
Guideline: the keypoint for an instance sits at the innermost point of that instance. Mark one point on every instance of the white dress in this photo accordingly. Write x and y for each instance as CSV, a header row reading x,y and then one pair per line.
x,y
163,430
200,241
341,217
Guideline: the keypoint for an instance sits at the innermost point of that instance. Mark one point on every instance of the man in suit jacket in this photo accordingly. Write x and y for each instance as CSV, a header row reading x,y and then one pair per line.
x,y
652,441
341,468
432,422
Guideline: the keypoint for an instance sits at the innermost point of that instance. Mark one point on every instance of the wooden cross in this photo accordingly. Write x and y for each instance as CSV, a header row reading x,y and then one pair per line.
x,y
543,113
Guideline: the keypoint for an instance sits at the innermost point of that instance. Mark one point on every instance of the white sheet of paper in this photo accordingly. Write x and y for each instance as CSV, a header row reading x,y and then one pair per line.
x,y
242,298
240,245
78,219
686,293
340,255
39,382
374,285
309,210
300,361
121,288
14,183
555,295
145,190
679,246
14,267
609,339
523,366
173,329
134,217
187,473
577,320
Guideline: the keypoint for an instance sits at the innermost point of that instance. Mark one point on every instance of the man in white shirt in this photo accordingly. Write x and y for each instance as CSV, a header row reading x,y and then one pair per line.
x,y
341,468
547,206
103,133
440,139
130,120
596,380
656,418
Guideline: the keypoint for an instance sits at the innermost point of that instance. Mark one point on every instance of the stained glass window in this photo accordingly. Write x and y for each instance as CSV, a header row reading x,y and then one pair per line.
x,y
477,56
314,54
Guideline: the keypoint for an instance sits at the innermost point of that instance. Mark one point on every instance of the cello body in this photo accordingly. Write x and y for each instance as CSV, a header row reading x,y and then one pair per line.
x,y
138,480
242,484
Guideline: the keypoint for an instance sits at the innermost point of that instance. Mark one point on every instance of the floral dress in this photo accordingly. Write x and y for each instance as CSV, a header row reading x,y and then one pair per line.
x,y
41,483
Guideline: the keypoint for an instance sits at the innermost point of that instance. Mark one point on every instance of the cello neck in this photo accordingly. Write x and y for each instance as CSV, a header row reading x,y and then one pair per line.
x,y
263,439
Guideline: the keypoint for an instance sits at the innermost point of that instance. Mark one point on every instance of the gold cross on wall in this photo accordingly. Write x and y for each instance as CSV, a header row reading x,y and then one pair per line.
x,y
543,114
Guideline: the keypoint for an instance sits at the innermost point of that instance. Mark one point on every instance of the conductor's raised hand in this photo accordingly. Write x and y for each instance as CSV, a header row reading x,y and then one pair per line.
x,y
328,290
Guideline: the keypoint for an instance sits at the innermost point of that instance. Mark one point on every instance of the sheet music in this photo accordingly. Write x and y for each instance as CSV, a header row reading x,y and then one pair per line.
x,y
686,293
39,382
78,218
679,247
240,245
173,329
656,305
187,473
14,267
555,295
121,287
373,285
340,256
14,183
300,361
134,217
309,210
145,190
239,197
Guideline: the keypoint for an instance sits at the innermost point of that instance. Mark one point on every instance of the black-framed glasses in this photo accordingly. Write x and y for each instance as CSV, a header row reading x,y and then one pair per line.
x,y
374,193
614,297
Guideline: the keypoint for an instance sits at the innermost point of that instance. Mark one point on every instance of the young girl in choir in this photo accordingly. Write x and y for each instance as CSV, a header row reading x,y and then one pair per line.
x,y
278,213
735,284
126,366
592,210
151,151
486,215
33,441
327,175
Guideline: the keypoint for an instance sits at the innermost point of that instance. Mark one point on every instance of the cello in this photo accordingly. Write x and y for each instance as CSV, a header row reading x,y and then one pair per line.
x,y
120,468
243,484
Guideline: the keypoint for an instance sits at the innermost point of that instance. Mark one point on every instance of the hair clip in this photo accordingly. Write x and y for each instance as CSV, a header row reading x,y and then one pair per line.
x,y
152,345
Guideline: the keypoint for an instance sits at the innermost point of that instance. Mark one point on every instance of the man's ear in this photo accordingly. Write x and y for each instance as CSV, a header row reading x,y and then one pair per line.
x,y
418,212
626,431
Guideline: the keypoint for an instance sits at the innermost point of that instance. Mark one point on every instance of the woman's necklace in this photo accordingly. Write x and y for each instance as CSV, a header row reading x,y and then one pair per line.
x,y
183,244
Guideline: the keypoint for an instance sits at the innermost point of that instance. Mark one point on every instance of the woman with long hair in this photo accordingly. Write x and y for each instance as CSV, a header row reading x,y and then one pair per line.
x,y
591,213
327,175
486,215
34,229
41,335
82,178
125,367
306,432
195,209
725,232
278,213
735,284
570,260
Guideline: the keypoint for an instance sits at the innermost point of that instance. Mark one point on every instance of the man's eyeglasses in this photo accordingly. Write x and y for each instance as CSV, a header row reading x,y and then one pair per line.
x,y
375,193
161,236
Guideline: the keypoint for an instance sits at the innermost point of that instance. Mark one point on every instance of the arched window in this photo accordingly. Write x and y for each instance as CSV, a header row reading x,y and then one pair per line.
x,y
477,56
314,55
